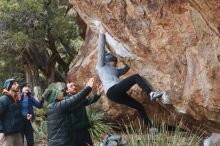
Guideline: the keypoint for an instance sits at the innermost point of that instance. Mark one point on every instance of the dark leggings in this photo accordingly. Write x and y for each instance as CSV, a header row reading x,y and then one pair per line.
x,y
28,132
81,137
118,93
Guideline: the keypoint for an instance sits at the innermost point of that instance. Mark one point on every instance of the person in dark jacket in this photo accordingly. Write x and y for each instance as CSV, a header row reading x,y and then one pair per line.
x,y
58,117
116,89
27,102
10,115
79,119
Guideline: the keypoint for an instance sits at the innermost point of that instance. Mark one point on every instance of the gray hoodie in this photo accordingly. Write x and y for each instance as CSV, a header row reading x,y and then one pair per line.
x,y
108,74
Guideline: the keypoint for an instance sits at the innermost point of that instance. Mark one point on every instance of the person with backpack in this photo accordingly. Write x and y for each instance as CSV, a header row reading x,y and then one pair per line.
x,y
116,89
11,121
27,102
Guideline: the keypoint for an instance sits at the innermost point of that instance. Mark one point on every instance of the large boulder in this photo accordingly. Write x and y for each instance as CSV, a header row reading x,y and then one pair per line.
x,y
174,44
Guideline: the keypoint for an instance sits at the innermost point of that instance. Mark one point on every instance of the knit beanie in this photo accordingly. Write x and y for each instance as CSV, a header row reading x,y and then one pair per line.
x,y
58,86
23,84
50,95
110,58
8,83
52,91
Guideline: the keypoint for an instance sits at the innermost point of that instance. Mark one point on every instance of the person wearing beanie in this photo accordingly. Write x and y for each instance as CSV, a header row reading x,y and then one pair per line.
x,y
51,95
27,102
10,115
79,118
110,58
116,89
58,114
7,85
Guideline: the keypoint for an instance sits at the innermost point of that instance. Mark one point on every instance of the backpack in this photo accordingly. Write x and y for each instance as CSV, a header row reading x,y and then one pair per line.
x,y
111,140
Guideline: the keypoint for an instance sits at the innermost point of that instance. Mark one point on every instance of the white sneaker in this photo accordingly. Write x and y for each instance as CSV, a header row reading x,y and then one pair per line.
x,y
154,95
153,130
165,99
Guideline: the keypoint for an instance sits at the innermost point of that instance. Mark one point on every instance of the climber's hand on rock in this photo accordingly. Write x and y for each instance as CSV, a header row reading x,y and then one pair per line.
x,y
123,60
102,30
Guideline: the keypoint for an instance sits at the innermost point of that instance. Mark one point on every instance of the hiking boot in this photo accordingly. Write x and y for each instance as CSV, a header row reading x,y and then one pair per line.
x,y
153,130
154,95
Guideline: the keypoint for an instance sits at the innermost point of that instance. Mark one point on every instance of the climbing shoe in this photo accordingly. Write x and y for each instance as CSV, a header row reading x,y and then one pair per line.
x,y
154,95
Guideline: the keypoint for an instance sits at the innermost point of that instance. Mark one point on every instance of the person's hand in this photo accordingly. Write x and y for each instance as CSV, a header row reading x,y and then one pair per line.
x,y
24,93
29,117
123,60
45,93
124,63
90,82
41,98
102,30
100,90
2,138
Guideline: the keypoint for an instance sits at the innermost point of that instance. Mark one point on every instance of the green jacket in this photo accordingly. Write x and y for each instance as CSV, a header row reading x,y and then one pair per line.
x,y
79,118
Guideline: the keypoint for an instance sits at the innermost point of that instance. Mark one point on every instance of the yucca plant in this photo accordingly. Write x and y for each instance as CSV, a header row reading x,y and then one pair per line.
x,y
98,125
139,136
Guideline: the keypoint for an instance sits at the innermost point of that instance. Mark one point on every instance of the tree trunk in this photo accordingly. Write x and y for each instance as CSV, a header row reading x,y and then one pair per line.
x,y
31,70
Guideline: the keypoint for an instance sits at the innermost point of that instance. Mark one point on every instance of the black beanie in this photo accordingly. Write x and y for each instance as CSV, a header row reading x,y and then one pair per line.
x,y
110,58
23,84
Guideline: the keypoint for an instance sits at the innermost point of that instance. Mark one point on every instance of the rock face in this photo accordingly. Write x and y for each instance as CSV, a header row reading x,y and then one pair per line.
x,y
174,44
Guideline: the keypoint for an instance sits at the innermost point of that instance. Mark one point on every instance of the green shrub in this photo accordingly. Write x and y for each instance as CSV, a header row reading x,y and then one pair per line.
x,y
99,126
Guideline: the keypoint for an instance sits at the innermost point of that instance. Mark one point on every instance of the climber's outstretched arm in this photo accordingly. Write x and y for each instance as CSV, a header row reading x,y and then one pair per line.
x,y
101,48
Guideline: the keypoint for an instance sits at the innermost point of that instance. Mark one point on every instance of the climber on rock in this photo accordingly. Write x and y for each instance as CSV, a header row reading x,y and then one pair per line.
x,y
116,89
